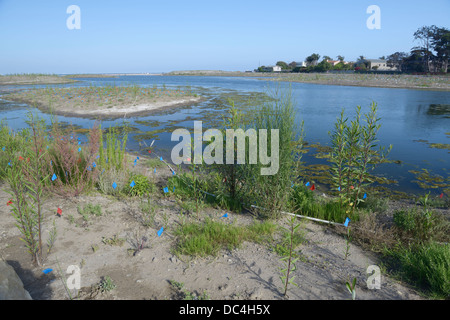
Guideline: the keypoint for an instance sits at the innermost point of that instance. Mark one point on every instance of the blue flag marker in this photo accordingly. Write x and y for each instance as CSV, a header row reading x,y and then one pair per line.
x,y
160,232
173,189
160,158
89,168
79,149
54,177
154,170
166,190
3,148
132,184
137,158
97,157
114,185
79,142
9,164
307,184
225,215
94,164
47,271
347,220
339,188
365,196
173,173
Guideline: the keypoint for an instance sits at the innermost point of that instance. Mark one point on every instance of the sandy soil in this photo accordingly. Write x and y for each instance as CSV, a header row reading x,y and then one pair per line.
x,y
124,110
247,273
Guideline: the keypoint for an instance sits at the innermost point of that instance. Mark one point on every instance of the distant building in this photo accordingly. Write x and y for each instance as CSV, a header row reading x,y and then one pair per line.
x,y
272,69
333,62
300,64
378,64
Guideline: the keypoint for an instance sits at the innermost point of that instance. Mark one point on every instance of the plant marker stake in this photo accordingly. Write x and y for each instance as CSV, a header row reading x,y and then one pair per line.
x,y
160,158
313,187
132,184
154,170
54,177
59,212
225,215
365,196
160,231
166,190
47,271
114,185
347,220
442,194
307,184
79,149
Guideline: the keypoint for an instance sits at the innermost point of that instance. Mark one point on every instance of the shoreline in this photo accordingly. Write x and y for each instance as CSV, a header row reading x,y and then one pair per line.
x,y
354,80
115,112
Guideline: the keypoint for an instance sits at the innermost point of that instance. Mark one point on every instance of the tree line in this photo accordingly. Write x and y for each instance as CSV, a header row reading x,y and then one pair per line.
x,y
431,55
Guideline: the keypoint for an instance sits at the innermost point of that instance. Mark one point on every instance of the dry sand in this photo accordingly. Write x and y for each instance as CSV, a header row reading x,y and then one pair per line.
x,y
247,273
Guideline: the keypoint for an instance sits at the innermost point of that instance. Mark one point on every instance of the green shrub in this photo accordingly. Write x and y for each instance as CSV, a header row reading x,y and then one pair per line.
x,y
421,225
142,185
427,266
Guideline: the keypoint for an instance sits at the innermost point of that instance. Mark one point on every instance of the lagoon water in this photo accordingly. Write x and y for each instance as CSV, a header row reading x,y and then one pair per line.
x,y
408,117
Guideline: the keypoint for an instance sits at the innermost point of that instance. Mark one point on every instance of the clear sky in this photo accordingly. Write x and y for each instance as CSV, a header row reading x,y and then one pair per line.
x,y
160,36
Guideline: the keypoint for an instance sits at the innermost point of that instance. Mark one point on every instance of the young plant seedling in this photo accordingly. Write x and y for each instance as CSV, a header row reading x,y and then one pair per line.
x,y
352,288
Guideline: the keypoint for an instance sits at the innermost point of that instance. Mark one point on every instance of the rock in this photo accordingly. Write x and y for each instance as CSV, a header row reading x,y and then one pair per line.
x,y
11,287
154,259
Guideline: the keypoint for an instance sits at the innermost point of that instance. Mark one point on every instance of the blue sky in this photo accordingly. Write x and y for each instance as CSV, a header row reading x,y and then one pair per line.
x,y
161,36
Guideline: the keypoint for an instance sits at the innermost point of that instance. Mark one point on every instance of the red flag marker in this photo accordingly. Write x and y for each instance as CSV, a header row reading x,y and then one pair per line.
x,y
442,194
59,212
313,187
20,158
149,151
9,202
352,187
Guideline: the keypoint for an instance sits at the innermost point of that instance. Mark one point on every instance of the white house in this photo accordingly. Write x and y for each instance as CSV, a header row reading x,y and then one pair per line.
x,y
378,64
300,64
272,69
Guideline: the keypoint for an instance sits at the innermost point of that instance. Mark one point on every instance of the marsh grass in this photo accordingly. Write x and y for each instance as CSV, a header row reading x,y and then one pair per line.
x,y
210,237
426,265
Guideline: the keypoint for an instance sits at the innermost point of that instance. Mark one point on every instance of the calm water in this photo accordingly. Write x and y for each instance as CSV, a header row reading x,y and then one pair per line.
x,y
405,117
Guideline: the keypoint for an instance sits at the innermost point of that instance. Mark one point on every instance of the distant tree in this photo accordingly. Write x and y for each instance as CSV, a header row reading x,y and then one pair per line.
x,y
414,62
326,58
283,65
312,59
361,58
396,60
323,66
261,69
382,58
293,65
425,36
440,42
340,58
